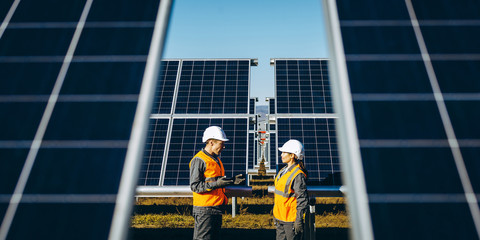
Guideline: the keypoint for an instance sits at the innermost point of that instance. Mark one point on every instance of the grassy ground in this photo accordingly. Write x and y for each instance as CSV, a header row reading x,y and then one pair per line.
x,y
243,220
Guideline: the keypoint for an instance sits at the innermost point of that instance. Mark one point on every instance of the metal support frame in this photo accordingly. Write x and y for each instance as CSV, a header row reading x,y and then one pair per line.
x,y
234,192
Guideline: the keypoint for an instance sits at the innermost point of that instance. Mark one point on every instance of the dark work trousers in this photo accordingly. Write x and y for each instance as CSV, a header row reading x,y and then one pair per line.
x,y
285,231
207,226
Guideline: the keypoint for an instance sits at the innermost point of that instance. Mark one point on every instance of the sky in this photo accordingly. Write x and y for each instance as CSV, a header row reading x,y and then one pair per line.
x,y
261,29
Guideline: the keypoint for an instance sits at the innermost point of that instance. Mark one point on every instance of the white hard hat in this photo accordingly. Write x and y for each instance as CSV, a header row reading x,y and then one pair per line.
x,y
295,147
214,132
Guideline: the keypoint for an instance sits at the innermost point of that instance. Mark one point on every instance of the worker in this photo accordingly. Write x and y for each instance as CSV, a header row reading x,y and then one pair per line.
x,y
291,196
208,182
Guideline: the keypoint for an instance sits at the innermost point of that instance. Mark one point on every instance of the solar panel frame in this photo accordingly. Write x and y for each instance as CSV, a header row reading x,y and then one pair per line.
x,y
395,201
36,194
318,136
168,175
312,75
188,132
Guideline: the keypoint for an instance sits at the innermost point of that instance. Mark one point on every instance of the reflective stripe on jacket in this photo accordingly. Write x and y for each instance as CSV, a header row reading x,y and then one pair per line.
x,y
285,208
213,170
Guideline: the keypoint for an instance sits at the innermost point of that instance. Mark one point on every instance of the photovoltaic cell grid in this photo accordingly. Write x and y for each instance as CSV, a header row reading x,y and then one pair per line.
x,y
252,106
252,156
302,86
76,171
319,139
186,141
411,110
204,87
303,92
213,87
273,151
271,106
154,150
166,87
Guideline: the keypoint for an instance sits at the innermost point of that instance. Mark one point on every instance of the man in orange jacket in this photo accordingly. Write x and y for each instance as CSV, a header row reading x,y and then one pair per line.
x,y
208,182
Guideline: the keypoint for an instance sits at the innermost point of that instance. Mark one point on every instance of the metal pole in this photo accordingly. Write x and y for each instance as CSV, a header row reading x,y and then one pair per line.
x,y
234,206
310,231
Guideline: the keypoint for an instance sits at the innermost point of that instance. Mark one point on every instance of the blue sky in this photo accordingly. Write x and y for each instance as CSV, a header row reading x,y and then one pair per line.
x,y
260,29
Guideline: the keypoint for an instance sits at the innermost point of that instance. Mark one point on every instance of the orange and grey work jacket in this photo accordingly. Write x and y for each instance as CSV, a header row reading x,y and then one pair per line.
x,y
286,206
213,170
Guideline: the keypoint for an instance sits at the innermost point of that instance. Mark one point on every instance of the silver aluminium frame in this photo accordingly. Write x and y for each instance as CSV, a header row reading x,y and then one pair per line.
x,y
348,143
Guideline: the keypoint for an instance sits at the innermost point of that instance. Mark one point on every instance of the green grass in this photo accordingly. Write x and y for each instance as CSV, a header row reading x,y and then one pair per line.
x,y
243,220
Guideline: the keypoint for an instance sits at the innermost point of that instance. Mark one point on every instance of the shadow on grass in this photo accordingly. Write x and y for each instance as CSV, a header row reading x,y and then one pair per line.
x,y
228,233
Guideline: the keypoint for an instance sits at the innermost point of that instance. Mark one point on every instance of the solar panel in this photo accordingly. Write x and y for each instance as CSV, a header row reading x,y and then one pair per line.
x,y
154,152
273,150
319,139
213,86
271,105
252,156
194,94
166,87
304,112
413,70
252,106
186,141
301,86
71,79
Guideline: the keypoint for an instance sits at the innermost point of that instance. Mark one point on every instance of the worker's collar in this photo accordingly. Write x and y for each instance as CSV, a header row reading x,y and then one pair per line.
x,y
214,156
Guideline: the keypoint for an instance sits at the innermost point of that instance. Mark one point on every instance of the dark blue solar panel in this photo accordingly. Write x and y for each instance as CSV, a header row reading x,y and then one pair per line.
x,y
251,151
154,150
252,106
302,86
35,11
5,7
273,150
319,139
165,87
271,106
213,86
186,141
411,166
75,174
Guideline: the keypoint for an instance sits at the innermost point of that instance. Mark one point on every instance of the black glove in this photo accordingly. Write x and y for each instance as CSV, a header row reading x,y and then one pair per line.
x,y
223,182
298,227
240,178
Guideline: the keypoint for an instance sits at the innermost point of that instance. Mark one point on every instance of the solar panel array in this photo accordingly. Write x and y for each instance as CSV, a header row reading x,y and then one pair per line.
x,y
71,76
304,112
413,69
208,92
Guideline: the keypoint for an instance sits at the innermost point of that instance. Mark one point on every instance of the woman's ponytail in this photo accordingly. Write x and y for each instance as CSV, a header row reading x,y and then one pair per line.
x,y
302,167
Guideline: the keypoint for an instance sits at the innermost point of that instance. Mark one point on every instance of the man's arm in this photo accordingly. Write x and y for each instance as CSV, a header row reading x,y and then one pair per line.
x,y
197,179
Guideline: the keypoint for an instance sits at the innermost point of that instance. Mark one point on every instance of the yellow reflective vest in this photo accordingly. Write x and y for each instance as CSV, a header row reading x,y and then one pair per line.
x,y
285,208
213,170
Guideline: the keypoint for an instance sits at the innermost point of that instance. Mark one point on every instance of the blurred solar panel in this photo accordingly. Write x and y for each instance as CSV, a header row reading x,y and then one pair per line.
x,y
213,86
186,141
302,86
71,76
413,69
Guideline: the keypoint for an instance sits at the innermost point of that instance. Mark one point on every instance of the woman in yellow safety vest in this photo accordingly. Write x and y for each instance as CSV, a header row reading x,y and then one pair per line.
x,y
291,197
